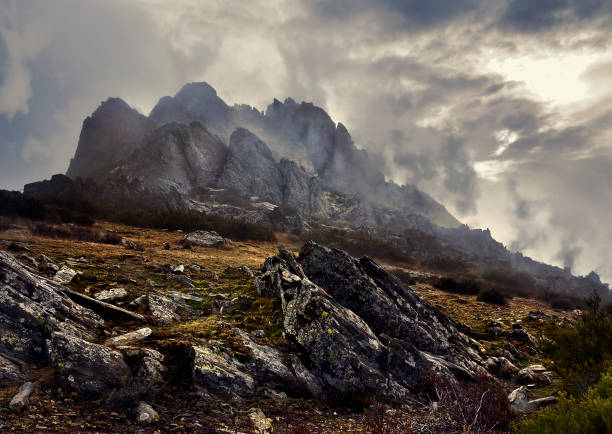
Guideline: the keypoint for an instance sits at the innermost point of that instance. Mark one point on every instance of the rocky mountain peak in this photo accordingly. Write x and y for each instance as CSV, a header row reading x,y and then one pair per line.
x,y
108,136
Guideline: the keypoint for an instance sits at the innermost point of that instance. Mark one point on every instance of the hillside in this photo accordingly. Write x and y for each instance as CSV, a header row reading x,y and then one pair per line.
x,y
290,168
212,300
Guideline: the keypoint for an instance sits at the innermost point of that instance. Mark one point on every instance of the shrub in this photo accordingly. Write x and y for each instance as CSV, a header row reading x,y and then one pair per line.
x,y
476,406
590,413
190,220
446,265
468,287
75,233
492,295
582,352
354,400
562,304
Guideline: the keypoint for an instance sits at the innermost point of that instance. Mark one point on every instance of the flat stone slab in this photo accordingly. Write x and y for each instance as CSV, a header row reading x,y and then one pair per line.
x,y
22,396
130,338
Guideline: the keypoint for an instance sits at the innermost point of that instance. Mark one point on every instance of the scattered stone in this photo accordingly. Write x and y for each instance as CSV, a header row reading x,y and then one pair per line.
x,y
145,414
494,328
131,337
31,309
139,301
206,239
512,350
64,275
131,245
181,296
47,262
519,333
500,366
261,423
85,367
181,278
520,403
243,269
537,316
267,365
217,374
177,269
163,309
166,246
150,371
536,374
22,396
242,303
112,294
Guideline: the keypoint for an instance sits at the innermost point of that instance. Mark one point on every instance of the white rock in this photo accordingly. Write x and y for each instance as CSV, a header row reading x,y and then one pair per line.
x,y
145,414
64,275
261,423
112,294
131,337
22,396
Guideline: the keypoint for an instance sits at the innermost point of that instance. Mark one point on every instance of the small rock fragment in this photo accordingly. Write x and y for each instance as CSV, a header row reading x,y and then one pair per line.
x,y
64,275
520,403
261,423
145,414
22,396
177,269
111,294
130,338
163,309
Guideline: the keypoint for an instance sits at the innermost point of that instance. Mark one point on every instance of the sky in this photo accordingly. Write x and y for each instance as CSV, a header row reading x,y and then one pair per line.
x,y
500,109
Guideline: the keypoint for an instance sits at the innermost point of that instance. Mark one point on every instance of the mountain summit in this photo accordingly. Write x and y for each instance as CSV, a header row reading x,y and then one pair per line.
x,y
290,167
194,141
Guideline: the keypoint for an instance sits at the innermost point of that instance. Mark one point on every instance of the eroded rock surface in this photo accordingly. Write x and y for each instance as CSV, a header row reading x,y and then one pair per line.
x,y
31,309
218,374
85,367
360,327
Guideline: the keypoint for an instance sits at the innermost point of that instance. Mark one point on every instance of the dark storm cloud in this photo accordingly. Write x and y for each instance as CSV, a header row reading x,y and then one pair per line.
x,y
408,78
542,15
459,175
3,59
415,13
569,253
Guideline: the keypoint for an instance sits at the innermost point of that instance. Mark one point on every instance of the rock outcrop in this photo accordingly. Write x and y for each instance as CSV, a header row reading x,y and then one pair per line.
x,y
107,137
32,308
41,324
206,239
361,329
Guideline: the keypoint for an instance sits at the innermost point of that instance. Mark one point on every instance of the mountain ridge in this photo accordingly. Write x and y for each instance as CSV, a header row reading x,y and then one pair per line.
x,y
291,159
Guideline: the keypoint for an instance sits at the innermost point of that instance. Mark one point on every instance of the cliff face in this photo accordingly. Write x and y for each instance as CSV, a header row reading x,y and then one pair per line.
x,y
110,134
291,155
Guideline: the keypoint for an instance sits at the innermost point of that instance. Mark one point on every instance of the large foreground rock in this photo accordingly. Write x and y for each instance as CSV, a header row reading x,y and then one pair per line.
x,y
31,309
360,328
40,324
88,368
